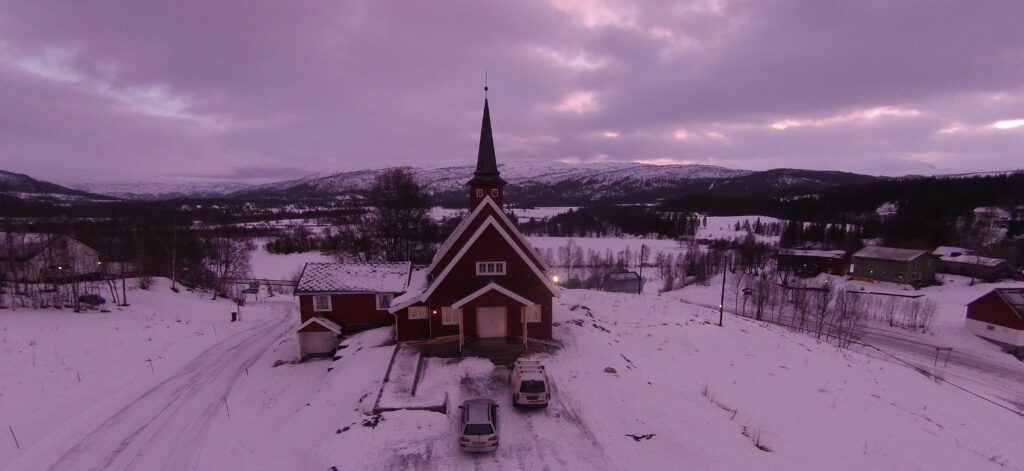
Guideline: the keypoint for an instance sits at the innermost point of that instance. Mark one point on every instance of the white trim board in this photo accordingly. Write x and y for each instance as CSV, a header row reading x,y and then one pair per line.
x,y
489,222
326,323
492,286
461,228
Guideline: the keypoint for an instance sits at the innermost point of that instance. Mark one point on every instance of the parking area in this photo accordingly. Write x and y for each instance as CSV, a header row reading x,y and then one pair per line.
x,y
546,438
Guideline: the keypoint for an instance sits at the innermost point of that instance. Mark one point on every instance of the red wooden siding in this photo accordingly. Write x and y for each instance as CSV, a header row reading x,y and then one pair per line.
x,y
356,309
991,309
473,226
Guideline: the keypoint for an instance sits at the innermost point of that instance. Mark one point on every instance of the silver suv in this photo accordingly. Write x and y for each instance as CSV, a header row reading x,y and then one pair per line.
x,y
478,427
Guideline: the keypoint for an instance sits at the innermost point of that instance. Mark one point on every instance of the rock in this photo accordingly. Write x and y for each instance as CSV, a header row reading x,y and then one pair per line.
x,y
91,299
278,363
610,370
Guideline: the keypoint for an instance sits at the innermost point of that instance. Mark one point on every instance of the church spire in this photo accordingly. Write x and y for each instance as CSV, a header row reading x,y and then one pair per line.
x,y
486,181
486,162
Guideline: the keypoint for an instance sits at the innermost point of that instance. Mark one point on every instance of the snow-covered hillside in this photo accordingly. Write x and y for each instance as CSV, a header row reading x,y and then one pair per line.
x,y
139,190
602,178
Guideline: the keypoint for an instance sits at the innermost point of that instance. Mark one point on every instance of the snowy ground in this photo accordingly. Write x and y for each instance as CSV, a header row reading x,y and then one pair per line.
x,y
740,396
142,379
724,227
266,265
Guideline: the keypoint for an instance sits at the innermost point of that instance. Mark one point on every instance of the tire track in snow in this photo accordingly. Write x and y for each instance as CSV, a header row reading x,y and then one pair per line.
x,y
165,427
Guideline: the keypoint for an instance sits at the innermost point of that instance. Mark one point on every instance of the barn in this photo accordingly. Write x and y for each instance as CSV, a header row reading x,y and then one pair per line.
x,y
916,267
335,297
999,317
809,263
962,261
485,281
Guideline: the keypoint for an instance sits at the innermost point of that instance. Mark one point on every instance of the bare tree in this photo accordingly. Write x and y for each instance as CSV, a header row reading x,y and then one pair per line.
x,y
228,258
398,212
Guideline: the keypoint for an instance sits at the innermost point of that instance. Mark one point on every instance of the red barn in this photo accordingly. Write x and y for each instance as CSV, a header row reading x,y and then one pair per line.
x,y
485,280
345,294
999,316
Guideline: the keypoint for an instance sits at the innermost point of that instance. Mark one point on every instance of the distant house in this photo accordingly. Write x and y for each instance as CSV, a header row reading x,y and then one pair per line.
x,y
999,316
961,261
36,257
810,263
624,282
333,296
892,264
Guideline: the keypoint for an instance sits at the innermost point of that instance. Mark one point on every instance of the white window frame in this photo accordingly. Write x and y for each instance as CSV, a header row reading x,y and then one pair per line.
x,y
494,192
317,307
417,313
491,268
450,316
479,192
533,314
382,306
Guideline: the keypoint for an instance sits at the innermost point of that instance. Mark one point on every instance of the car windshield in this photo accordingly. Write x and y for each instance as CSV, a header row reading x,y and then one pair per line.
x,y
478,429
532,387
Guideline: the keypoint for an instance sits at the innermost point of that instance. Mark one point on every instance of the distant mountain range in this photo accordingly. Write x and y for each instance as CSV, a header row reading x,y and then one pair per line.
x,y
24,186
554,184
530,183
162,190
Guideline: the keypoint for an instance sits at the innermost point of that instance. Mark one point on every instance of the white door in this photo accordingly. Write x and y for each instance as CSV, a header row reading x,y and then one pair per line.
x,y
490,322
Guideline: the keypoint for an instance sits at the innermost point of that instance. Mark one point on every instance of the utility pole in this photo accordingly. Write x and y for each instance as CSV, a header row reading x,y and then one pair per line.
x,y
640,286
721,303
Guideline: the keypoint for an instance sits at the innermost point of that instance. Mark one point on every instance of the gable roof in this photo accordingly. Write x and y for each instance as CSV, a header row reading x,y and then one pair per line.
x,y
25,245
1013,297
429,286
385,277
322,321
492,286
890,253
467,222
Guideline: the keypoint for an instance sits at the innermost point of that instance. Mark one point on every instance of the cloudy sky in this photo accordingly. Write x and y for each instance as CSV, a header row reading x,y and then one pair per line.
x,y
273,90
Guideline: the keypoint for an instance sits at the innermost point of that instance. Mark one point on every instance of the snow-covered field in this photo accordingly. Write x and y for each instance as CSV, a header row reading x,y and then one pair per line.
x,y
265,265
742,396
724,227
75,385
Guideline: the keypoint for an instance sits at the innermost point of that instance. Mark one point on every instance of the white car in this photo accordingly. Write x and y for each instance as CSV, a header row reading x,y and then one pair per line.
x,y
530,385
478,427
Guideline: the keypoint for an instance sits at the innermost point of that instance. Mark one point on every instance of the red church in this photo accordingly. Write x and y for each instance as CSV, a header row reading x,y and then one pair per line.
x,y
485,280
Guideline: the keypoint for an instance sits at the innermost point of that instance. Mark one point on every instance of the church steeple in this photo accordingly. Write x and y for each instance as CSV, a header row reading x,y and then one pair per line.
x,y
487,181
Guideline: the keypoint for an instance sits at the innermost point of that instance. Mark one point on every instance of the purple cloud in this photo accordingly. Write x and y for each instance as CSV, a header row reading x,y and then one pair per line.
x,y
112,90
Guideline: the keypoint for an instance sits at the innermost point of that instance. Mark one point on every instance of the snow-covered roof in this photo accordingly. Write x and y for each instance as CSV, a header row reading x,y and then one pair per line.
x,y
417,285
890,253
944,250
836,254
385,277
323,321
1014,297
972,260
624,276
965,256
26,244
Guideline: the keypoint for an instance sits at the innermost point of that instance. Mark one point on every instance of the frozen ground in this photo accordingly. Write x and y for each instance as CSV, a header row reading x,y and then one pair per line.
x,y
266,265
684,394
